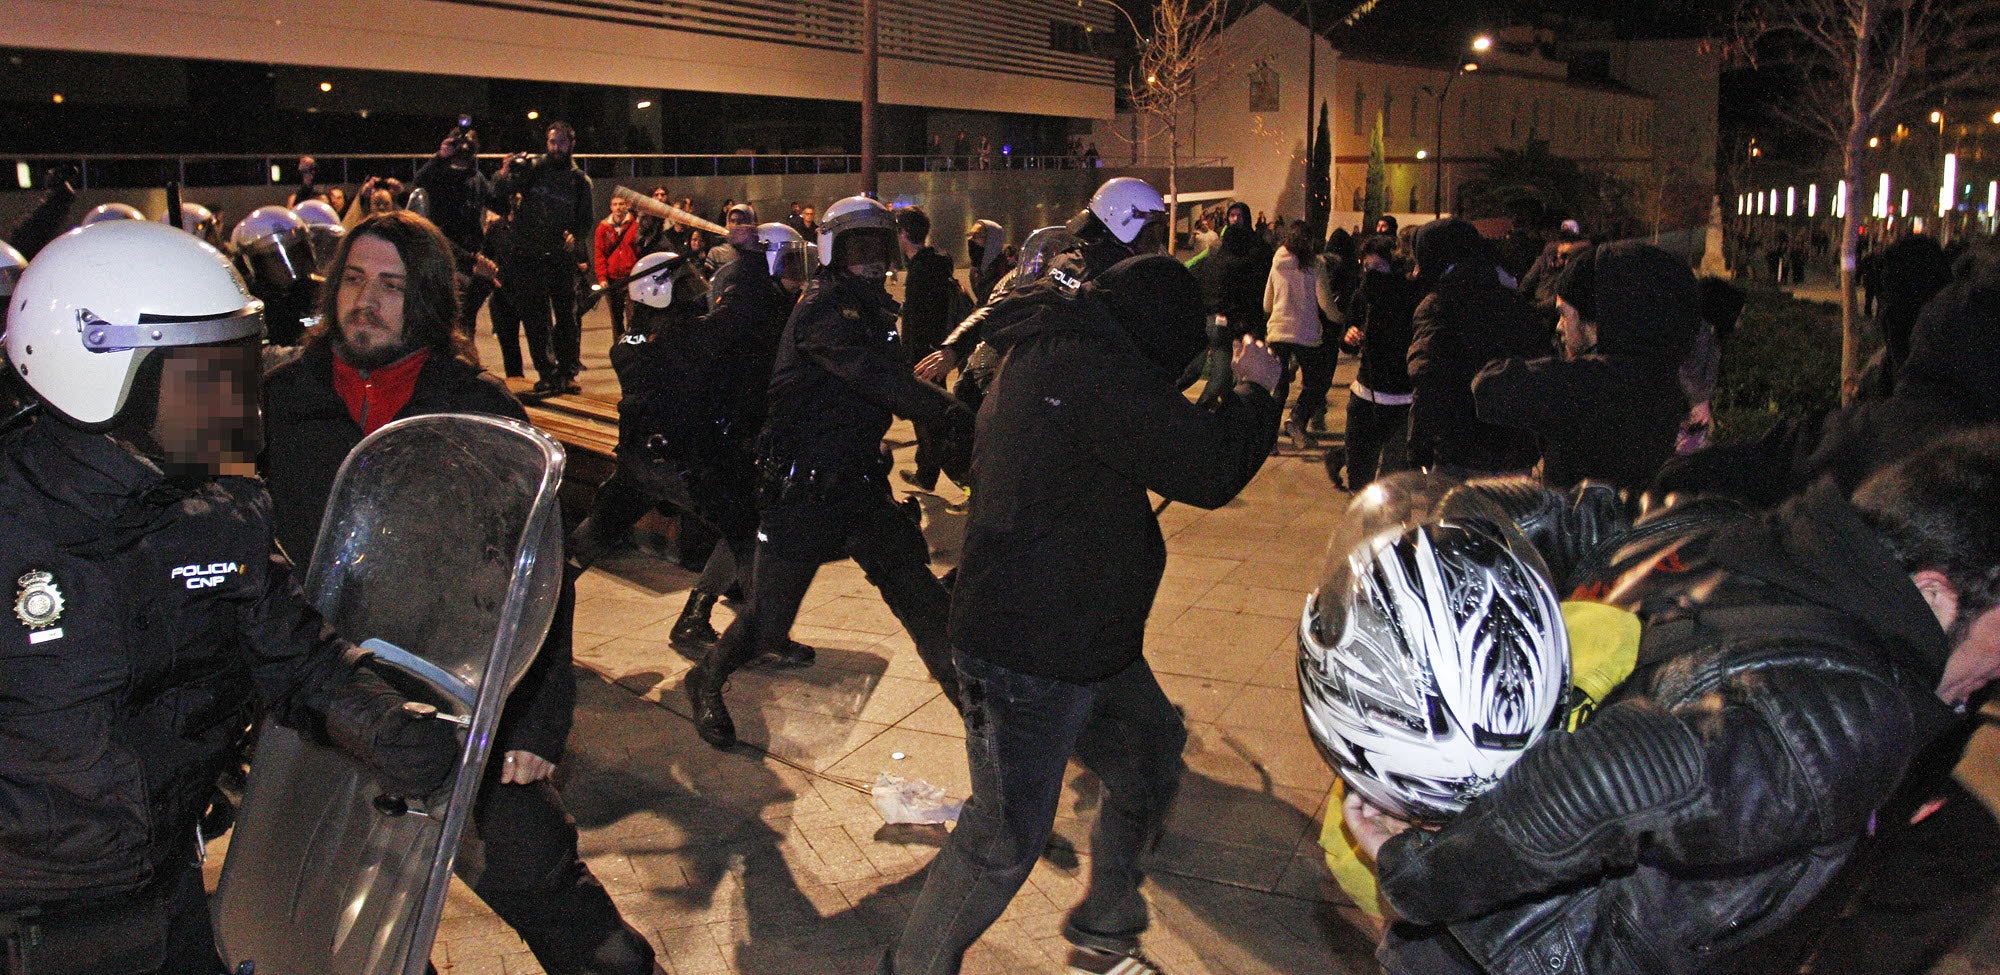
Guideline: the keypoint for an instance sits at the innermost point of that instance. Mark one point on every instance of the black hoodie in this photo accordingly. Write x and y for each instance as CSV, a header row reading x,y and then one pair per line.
x,y
1467,319
1232,278
1950,382
1611,415
1063,553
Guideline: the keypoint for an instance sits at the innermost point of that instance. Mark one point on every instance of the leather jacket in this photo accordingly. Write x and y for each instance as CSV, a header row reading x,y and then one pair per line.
x,y
1786,678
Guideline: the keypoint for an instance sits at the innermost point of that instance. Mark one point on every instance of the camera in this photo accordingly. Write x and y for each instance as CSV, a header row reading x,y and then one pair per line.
x,y
464,124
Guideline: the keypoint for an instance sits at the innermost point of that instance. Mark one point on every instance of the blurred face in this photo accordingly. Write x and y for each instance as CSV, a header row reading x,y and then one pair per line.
x,y
866,253
337,197
370,304
660,193
381,201
809,214
619,208
208,420
561,142
1578,335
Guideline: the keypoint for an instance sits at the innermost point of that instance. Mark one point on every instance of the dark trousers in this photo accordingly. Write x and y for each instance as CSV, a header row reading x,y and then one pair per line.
x,y
544,295
615,299
1020,731
889,549
532,877
507,328
1374,440
1315,365
164,930
625,498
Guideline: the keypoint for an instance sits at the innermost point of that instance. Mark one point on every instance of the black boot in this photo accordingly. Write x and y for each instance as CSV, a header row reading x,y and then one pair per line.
x,y
692,631
711,715
791,656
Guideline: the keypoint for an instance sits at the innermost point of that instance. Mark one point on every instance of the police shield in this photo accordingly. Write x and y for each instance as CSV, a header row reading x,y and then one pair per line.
x,y
441,552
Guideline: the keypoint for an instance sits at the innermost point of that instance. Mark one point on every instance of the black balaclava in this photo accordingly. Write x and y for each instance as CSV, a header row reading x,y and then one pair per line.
x,y
1157,302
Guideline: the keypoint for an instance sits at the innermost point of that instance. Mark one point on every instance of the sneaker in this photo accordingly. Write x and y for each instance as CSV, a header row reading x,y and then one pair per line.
x,y
1089,961
1296,431
911,478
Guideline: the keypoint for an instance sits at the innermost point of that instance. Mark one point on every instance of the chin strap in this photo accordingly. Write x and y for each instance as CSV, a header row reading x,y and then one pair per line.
x,y
19,417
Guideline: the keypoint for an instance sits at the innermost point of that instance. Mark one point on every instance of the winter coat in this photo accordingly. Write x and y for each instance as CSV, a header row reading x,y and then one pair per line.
x,y
308,433
1951,381
1063,553
1787,676
1232,279
458,200
1383,309
615,249
928,289
1468,319
555,199
1291,300
119,711
1613,414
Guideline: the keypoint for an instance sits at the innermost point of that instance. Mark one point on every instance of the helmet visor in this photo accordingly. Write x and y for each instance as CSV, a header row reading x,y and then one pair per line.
x,y
792,263
277,263
1039,250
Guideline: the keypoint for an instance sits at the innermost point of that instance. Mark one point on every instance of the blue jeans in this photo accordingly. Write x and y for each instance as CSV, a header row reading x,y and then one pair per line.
x,y
1020,731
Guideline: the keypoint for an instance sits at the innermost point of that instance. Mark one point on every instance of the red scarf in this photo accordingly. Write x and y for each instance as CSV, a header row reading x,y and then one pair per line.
x,y
375,397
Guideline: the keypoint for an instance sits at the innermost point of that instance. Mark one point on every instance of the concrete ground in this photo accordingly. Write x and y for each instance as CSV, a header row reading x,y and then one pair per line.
x,y
771,860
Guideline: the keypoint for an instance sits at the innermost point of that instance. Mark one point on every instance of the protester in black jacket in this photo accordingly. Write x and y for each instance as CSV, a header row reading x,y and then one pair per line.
x,y
459,194
1609,409
554,225
1789,669
1912,271
1062,557
1378,401
1467,318
386,349
1232,277
1950,381
929,294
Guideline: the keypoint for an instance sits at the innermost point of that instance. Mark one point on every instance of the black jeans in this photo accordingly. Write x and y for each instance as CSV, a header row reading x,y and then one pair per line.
x,y
531,875
165,926
507,328
1315,364
1375,434
543,291
615,299
1020,731
892,552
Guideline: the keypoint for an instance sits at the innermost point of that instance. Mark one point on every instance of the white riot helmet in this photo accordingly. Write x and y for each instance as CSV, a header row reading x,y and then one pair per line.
x,y
1126,205
323,229
855,213
195,219
651,282
111,211
274,247
101,300
789,257
1433,653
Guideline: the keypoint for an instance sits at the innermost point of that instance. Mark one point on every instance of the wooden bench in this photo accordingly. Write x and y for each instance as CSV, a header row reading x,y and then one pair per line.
x,y
575,432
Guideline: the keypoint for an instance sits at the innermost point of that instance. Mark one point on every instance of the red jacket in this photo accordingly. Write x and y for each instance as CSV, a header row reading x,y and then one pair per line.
x,y
615,251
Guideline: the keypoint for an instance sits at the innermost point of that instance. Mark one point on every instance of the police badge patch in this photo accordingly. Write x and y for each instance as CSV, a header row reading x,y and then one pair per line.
x,y
38,604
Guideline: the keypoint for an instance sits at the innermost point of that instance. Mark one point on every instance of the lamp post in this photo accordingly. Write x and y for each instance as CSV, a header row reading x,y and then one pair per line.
x,y
1480,44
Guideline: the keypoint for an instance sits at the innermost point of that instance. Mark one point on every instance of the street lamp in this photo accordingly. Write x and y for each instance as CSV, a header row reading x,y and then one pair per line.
x,y
1437,177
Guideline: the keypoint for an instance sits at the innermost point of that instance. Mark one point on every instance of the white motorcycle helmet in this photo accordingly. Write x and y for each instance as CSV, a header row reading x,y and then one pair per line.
x,y
1433,654
104,212
651,282
101,300
1126,205
323,229
854,213
274,247
787,254
11,263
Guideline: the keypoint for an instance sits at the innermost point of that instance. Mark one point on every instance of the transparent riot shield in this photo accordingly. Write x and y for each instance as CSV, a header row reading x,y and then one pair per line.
x,y
441,551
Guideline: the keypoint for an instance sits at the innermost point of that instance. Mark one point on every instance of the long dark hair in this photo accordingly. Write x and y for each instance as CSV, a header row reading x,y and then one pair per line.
x,y
430,290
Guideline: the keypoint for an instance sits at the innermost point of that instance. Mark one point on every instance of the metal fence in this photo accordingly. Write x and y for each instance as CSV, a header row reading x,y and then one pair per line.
x,y
123,171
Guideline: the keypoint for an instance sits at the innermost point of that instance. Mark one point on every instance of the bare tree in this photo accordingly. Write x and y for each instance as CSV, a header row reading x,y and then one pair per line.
x,y
1861,65
1180,60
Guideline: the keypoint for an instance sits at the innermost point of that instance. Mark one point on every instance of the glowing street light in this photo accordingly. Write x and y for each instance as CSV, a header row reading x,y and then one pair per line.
x,y
644,105
1812,200
1484,43
1950,183
533,115
1791,201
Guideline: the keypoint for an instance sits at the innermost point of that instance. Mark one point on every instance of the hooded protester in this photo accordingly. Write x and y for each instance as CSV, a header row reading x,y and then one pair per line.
x,y
1466,319
1913,270
1607,410
1232,275
1950,381
986,247
1063,555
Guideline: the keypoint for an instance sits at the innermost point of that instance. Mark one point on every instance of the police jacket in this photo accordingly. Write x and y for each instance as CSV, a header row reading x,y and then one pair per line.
x,y
695,378
308,432
840,379
1063,553
1787,676
555,197
147,617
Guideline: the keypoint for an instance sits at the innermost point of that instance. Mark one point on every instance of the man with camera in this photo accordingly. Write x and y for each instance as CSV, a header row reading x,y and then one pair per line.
x,y
554,224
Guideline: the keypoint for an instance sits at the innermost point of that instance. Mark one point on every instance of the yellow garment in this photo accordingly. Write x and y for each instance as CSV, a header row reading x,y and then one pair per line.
x,y
1603,649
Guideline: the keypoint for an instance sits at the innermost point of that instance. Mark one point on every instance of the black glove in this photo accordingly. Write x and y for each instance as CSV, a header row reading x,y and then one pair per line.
x,y
411,749
953,440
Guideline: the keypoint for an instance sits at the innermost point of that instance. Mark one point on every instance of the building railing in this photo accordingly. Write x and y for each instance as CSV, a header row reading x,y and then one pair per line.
x,y
133,170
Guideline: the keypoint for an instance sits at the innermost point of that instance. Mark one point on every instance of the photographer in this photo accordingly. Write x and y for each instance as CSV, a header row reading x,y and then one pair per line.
x,y
552,231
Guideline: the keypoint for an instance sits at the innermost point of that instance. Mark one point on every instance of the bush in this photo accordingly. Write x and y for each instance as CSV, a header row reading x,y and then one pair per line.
x,y
1782,361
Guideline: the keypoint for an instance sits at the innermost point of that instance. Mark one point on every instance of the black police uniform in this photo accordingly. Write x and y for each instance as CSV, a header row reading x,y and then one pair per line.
x,y
147,617
839,380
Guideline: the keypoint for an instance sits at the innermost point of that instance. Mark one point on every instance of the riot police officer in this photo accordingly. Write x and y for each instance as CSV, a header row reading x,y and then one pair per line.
x,y
840,378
